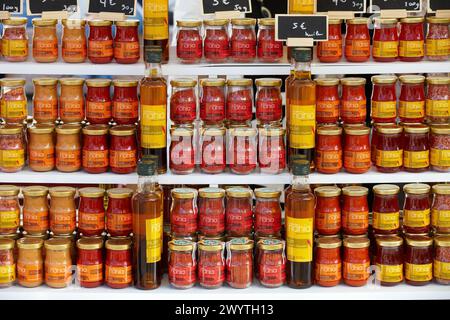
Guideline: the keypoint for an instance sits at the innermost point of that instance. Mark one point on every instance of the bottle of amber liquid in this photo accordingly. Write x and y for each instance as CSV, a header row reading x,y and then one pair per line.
x,y
301,108
153,124
299,7
156,26
147,227
299,209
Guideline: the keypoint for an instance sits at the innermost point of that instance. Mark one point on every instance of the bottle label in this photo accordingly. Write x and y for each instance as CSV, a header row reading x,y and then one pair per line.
x,y
98,110
46,109
14,109
385,49
58,272
30,272
9,219
442,270
14,48
384,109
35,220
440,158
390,273
42,157
416,159
329,160
302,126
438,47
328,109
416,218
301,6
328,272
122,159
12,158
386,220
438,108
153,235
91,221
357,48
7,273
330,48
419,272
299,239
45,48
127,50
411,49
354,109
356,271
90,273
100,49
357,160
440,218
412,109
74,48
153,126
156,20
389,159
70,158
118,275
95,159
355,219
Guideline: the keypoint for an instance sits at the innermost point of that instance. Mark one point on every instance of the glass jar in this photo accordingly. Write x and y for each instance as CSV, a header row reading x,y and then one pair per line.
x,y
35,210
15,40
271,261
189,41
416,154
440,217
441,261
389,149
272,150
182,152
243,40
91,212
74,43
30,264
267,212
211,211
355,210
119,214
328,264
118,264
353,108
439,148
385,40
45,100
58,263
438,99
269,50
98,101
384,99
412,45
438,39
7,263
328,101
13,100
374,139
45,40
125,102
239,100
357,149
211,263
240,263
416,209
123,149
183,101
389,260
418,260
386,211
182,264
243,150
331,50
12,148
328,157
357,40
268,101
62,210
9,209
356,261
90,262
41,148
100,42
95,149
412,99
68,148
216,40
127,49
71,100
239,212
213,149
212,101
328,210
184,212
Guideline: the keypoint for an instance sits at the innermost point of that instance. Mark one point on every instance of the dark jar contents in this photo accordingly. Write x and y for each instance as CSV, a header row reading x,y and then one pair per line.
x,y
239,100
389,260
95,153
213,150
243,40
267,213
438,99
189,41
386,216
441,269
127,49
357,40
98,101
91,212
239,213
271,263
440,209
211,211
440,148
384,99
100,41
438,39
118,264
385,40
331,50
217,41
184,212
125,102
243,149
183,101
328,101
355,210
268,101
418,260
211,264
354,101
328,210
357,152
240,263
182,153
212,101
412,99
416,209
412,36
416,153
328,266
182,264
272,150
269,50
90,262
389,150
123,149
328,157
119,213
356,261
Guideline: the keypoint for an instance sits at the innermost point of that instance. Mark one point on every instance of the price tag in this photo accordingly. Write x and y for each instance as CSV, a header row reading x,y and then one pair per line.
x,y
435,5
213,6
297,26
408,5
126,7
37,7
11,6
355,6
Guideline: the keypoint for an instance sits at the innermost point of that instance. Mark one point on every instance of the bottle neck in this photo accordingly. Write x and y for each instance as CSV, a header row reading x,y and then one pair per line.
x,y
302,70
301,183
153,70
147,184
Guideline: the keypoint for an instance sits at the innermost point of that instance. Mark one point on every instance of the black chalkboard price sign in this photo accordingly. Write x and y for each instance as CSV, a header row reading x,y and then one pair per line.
x,y
38,6
291,26
127,7
12,6
358,6
438,5
213,6
408,5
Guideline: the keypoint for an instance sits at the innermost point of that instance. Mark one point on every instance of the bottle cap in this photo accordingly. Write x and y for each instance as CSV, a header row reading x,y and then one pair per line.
x,y
300,167
153,54
147,166
302,54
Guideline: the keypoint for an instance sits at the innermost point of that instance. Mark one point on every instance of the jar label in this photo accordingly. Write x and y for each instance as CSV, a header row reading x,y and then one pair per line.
x,y
30,272
125,109
440,218
42,158
274,274
12,158
68,159
357,48
389,159
9,219
268,219
45,110
328,220
302,126
386,220
95,159
390,273
211,221
269,110
156,20
355,219
438,108
183,275
16,109
299,239
71,109
90,273
183,223
14,48
354,110
45,48
419,272
356,271
153,126
100,48
243,48
440,158
416,218
412,109
35,220
239,110
438,47
239,220
58,272
154,235
328,109
189,48
442,270
90,221
330,48
217,48
329,160
62,223
119,222
122,158
385,49
74,48
411,49
270,49
98,110
118,275
357,160
212,111
416,159
211,275
7,273
384,109
127,50
328,272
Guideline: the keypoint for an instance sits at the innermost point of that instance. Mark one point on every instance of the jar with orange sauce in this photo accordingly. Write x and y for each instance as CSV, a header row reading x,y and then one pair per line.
x,y
62,210
328,101
68,148
357,149
45,100
98,101
412,99
329,149
58,263
354,101
74,43
328,266
71,100
30,264
331,50
45,40
328,210
35,210
41,148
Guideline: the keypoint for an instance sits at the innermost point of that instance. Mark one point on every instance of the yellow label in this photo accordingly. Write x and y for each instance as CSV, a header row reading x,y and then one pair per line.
x,y
301,6
389,159
14,48
416,218
442,270
386,221
153,126
419,272
302,126
7,274
385,49
154,234
12,158
384,109
440,218
440,158
156,19
411,49
438,108
9,219
416,159
412,109
438,47
14,109
299,239
389,273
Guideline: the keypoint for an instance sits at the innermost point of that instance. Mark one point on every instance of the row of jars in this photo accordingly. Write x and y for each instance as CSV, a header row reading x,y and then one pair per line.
x,y
99,47
392,41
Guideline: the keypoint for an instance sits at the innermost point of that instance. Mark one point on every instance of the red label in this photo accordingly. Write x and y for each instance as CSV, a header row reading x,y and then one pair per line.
x,y
239,221
183,224
270,49
183,112
125,109
217,49
95,159
268,110
190,49
212,111
243,49
272,274
212,222
182,275
267,220
211,275
239,110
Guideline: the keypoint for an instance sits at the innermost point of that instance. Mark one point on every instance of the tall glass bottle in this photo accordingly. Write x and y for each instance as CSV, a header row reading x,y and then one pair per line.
x,y
153,111
147,228
301,6
300,206
156,26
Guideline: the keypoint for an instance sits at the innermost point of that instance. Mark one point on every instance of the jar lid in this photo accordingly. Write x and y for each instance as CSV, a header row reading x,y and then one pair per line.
x,y
412,79
177,131
7,190
45,81
329,243
268,82
44,22
389,241
441,129
35,191
128,23
57,244
125,83
442,241
385,20
62,192
357,130
43,236
419,241
214,131
357,243
390,129
96,130
239,192
216,22
416,128
15,21
266,22
271,244
211,193
213,82
443,189
11,129
100,23
90,243
384,79
118,244
328,191
267,193
240,244
68,129
71,81
189,23
183,83
327,82
358,21
434,19
417,188
243,21
353,81
438,80
210,245
7,244
181,245
243,132
12,82
412,20
184,193
334,21
40,128
30,243
355,191
329,130
272,131
119,193
73,22
98,83
122,130
92,192
240,82
386,189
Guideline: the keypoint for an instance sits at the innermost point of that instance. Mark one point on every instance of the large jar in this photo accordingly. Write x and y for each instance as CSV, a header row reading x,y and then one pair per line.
x,y
328,100
440,148
212,101
13,100
100,44
440,209
416,153
416,209
98,101
331,50
357,40
272,150
41,148
217,42
353,104
45,40
240,263
62,210
15,40
441,263
389,157
127,48
239,100
267,213
125,102
7,263
35,210
184,212
74,43
355,210
357,149
438,39
189,41
239,212
438,99
243,150
269,50
211,264
71,100
356,261
182,264
183,101
268,101
45,100
91,212
30,264
68,148
118,263
384,99
243,40
418,260
213,150
123,149
95,153
328,210
328,157
389,260
412,99
412,46
9,209
58,263
328,264
385,40
271,263
182,152
90,262
12,148
119,213
211,212
386,211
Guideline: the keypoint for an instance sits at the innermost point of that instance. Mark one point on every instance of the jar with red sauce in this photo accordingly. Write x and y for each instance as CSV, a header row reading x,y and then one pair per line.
x,y
184,212
118,264
418,260
243,40
355,210
268,101
240,263
269,50
211,211
357,149
328,210
357,40
182,264
243,150
95,153
384,99
389,260
239,100
416,153
328,264
127,49
328,157
212,101
211,263
353,104
412,99
440,148
90,262
119,214
412,39
389,149
386,210
416,209
183,101
441,268
374,139
239,212
125,102
331,50
356,261
271,263
217,40
385,40
327,100
98,101
122,149
272,150
213,150
14,40
100,41
182,153
438,39
440,209
267,212
91,212
189,41
438,99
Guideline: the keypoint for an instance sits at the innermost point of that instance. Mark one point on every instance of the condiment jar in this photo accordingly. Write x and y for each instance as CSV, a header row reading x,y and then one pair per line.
x,y
35,210
71,100
438,39
418,260
98,101
416,210
211,263
12,148
440,148
182,152
100,44
441,261
239,100
123,149
389,260
58,263
389,157
355,210
239,213
243,40
356,261
267,212
438,99
331,50
328,157
357,149
182,264
7,263
125,103
45,100
68,148
90,262
328,266
183,101
211,211
239,263
62,210
189,41
9,209
412,99
118,263
412,46
353,104
357,40
268,101
119,213
269,50
216,42
13,100
45,40
386,216
328,210
271,263
30,265
328,101
95,155
384,99
243,150
416,153
15,39
41,148
74,43
440,217
272,150
127,49
213,150
91,212
184,212
385,40
212,101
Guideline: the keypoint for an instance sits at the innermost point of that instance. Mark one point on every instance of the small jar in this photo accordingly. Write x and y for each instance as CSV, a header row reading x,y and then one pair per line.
x,y
41,148
182,264
213,150
118,264
91,212
45,100
439,148
440,209
412,99
356,261
98,101
15,40
374,139
95,149
127,49
268,101
45,40
389,149
30,264
385,40
328,210
384,99
412,45
184,212
353,104
35,210
240,263
62,210
267,212
438,39
357,40
357,149
239,100
12,148
328,264
68,148
389,260
182,153
211,212
211,263
416,209
416,154
272,150
71,100
328,157
418,260
271,261
269,50
123,149
100,42
90,262
212,101
216,41
239,212
355,210
74,42
9,209
7,263
438,99
125,102
183,101
189,41
243,40
331,50
328,101
13,100
386,211
119,213
243,150
58,263
441,261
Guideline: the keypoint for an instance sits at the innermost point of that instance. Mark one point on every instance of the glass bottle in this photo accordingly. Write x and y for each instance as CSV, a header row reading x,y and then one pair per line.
x,y
156,26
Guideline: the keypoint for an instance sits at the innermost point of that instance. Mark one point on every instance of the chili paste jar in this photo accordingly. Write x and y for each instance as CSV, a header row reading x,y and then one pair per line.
x,y
440,148
356,261
438,99
212,101
211,211
328,210
12,148
100,42
416,210
98,101
211,263
182,264
384,99
125,102
269,50
272,150
182,153
30,263
385,40
189,41
118,263
416,154
45,40
357,149
328,266
35,210
355,210
91,212
268,101
240,263
412,45
440,209
217,41
418,260
271,263
90,262
331,50
95,149
15,40
8,263
353,104
239,212
389,260
9,209
357,40
239,100
58,263
183,101
123,149
243,149
127,48
68,148
389,157
184,212
62,210
71,100
441,263
386,211
41,148
412,99
328,101
45,100
329,149
119,213
438,39
267,212
243,40
74,42
213,150
13,100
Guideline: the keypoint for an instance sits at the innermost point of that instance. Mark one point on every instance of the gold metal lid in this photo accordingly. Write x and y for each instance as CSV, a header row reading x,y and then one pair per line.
x,y
211,193
35,191
189,23
243,22
329,130
40,128
355,191
328,191
438,80
12,82
239,192
181,131
443,189
11,129
118,244
412,79
9,190
71,81
271,244
441,129
360,130
358,21
119,193
30,243
96,130
357,243
62,192
213,82
268,82
412,20
216,22
210,245
125,83
98,83
267,193
419,241
416,128
389,241
240,244
214,131
417,188
442,241
100,23
184,193
240,82
73,23
386,189
92,192
353,81
434,19
183,83
68,129
44,22
7,244
335,21
385,20
128,23
266,21
243,132
390,129
327,82
15,21
122,130
272,132
181,245
384,79
90,243
329,243
57,244
45,81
